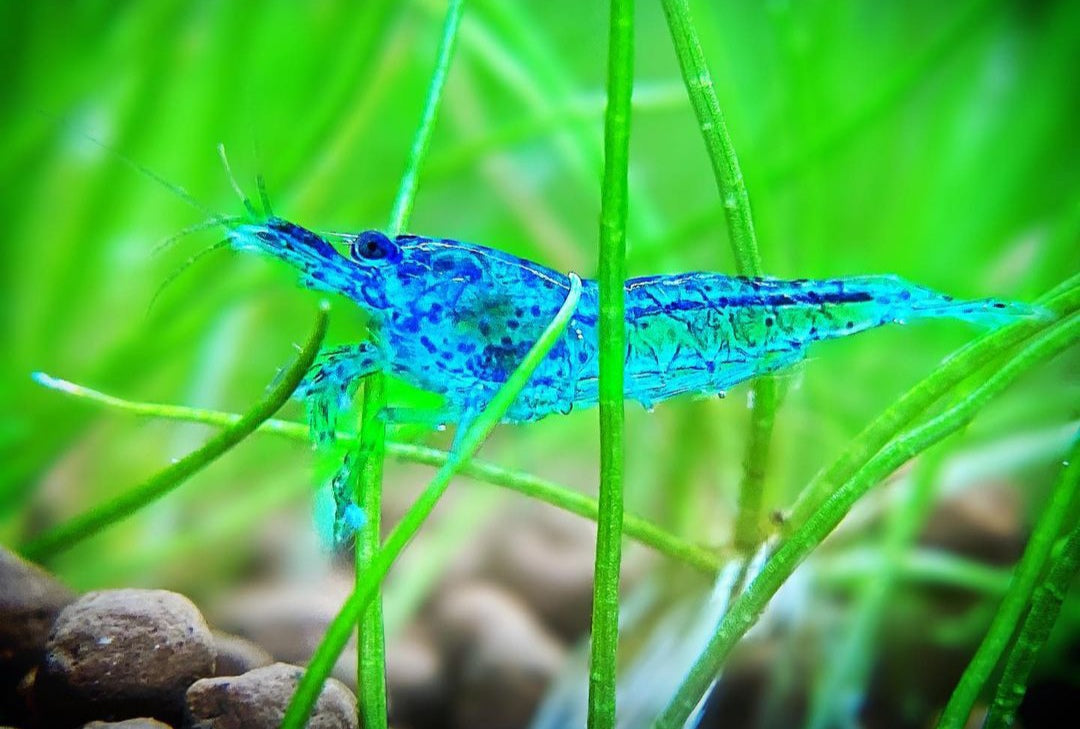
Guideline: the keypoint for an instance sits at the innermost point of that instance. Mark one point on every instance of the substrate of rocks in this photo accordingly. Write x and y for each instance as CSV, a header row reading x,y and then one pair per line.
x,y
135,659
482,650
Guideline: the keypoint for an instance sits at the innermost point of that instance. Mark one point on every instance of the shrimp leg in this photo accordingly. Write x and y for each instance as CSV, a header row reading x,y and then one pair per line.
x,y
331,384
327,390
338,516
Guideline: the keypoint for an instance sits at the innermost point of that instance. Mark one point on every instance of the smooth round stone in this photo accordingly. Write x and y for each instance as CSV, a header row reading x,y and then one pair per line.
x,y
120,654
258,699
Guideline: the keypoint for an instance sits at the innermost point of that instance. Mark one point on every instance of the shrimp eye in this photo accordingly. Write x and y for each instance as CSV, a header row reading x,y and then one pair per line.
x,y
372,245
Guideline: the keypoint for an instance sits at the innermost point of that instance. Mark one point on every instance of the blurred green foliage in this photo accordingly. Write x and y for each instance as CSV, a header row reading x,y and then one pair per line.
x,y
933,140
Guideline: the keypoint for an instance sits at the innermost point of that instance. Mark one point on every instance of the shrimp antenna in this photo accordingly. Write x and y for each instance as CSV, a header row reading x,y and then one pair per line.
x,y
235,185
183,267
260,180
222,220
176,189
264,196
143,170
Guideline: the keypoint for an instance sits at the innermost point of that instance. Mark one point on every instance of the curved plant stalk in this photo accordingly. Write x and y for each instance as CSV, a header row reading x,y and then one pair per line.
x,y
746,610
403,203
100,517
706,561
337,633
604,643
740,225
1031,566
1062,300
1045,606
725,163
930,567
838,135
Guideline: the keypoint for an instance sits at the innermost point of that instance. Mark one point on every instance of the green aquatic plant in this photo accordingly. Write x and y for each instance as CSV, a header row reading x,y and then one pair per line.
x,y
102,516
798,546
1044,608
326,655
707,561
949,178
1019,599
612,340
371,673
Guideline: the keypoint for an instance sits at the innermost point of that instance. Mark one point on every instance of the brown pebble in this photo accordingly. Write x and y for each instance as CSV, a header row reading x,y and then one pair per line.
x,y
497,655
236,655
30,600
258,699
140,723
119,654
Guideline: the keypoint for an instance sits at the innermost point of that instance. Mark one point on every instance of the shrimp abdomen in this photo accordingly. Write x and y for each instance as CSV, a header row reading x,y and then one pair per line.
x,y
704,332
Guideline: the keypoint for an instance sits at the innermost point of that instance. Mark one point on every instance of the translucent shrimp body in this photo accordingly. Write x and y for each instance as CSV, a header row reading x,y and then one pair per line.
x,y
457,318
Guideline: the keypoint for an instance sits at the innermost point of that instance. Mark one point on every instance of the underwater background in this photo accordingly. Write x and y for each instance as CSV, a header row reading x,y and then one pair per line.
x,y
932,140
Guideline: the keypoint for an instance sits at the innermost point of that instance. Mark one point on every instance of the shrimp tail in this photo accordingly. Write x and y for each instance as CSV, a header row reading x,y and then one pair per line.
x,y
918,302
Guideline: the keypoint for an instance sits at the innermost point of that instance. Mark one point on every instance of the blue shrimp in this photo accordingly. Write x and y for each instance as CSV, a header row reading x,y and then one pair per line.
x,y
456,318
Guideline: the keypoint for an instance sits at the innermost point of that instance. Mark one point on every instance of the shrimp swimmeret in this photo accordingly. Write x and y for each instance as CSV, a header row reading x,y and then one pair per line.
x,y
456,319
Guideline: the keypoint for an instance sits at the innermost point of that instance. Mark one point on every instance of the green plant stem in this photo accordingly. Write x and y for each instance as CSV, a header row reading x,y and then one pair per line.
x,y
337,633
66,535
1045,607
604,644
740,226
751,504
746,609
725,163
704,560
371,640
929,567
1063,300
371,656
403,203
1032,565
